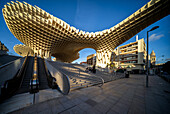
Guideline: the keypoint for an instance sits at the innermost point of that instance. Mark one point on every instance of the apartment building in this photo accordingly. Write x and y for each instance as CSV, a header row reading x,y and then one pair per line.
x,y
91,59
130,55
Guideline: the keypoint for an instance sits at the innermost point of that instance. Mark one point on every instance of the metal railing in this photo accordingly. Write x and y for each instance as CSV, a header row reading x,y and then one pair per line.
x,y
23,69
78,80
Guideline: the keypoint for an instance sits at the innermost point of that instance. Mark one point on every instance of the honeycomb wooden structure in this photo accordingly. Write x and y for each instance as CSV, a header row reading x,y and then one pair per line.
x,y
48,35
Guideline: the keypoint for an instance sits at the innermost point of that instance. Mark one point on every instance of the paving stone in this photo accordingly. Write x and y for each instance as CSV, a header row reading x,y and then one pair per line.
x,y
42,106
113,98
65,112
137,109
90,95
125,96
163,103
91,102
57,108
153,111
93,111
107,104
19,112
76,110
111,101
63,99
84,106
125,102
30,109
111,111
68,104
98,98
53,102
120,108
46,111
76,101
83,98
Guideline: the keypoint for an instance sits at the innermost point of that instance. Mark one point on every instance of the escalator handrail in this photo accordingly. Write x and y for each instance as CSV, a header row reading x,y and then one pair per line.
x,y
21,70
47,74
34,76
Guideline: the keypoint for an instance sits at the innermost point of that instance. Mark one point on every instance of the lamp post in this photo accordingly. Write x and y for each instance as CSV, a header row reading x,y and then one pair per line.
x,y
147,54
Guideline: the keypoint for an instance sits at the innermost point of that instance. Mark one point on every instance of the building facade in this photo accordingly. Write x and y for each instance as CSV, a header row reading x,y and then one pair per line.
x,y
91,59
83,63
130,55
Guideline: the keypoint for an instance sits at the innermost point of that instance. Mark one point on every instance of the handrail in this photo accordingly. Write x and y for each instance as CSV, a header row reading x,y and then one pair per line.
x,y
57,69
101,79
21,70
49,78
93,76
35,70
2,66
35,77
62,79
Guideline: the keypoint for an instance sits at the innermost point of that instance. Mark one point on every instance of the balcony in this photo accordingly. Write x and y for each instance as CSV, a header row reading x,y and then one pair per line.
x,y
121,53
132,59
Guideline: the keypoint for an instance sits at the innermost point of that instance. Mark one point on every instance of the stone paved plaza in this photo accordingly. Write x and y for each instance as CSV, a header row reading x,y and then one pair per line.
x,y
123,96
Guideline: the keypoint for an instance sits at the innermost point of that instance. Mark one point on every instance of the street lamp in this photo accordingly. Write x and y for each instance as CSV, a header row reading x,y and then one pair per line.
x,y
147,54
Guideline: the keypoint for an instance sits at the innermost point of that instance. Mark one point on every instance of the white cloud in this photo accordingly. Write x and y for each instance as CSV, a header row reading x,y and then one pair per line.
x,y
154,37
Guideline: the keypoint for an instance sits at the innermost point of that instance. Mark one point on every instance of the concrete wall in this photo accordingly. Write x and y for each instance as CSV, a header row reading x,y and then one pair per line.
x,y
61,79
9,70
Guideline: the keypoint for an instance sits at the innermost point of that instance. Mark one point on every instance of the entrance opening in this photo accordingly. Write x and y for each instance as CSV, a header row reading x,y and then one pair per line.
x,y
83,55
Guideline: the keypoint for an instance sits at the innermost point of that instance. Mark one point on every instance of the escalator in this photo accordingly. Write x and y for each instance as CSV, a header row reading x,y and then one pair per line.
x,y
27,75
25,79
42,75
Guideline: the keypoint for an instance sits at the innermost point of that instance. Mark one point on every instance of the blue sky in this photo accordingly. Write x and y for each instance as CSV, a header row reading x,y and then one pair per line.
x,y
92,16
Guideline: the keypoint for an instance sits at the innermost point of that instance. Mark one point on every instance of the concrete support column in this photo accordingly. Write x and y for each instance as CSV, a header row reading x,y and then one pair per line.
x,y
45,54
48,55
103,58
40,52
36,52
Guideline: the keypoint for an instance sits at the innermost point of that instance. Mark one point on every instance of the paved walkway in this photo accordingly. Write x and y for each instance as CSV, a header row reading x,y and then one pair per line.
x,y
127,95
20,101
